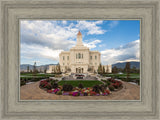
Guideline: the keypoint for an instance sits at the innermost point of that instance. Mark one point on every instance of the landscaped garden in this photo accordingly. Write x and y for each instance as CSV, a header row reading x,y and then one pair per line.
x,y
133,77
75,83
30,77
80,87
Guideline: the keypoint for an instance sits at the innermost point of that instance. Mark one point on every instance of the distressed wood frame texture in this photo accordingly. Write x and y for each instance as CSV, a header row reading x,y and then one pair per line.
x,y
12,11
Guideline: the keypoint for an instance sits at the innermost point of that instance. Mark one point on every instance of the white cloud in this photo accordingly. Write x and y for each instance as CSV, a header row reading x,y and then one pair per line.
x,y
113,24
64,22
47,34
92,44
128,52
91,27
39,52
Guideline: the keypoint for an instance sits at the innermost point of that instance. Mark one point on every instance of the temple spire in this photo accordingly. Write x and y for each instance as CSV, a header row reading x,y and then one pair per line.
x,y
79,39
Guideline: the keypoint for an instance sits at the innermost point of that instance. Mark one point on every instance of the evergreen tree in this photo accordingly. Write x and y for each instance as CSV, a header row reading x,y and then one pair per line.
x,y
107,71
103,71
45,69
58,69
115,69
100,69
127,68
28,69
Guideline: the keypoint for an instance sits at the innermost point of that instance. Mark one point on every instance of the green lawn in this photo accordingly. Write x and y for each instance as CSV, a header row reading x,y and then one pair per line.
x,y
131,75
75,83
30,75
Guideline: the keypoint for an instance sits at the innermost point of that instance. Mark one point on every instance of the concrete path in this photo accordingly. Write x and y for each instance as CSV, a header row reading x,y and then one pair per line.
x,y
33,92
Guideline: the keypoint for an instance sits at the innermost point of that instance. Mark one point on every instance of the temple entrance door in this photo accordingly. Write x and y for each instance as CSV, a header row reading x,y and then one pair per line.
x,y
79,70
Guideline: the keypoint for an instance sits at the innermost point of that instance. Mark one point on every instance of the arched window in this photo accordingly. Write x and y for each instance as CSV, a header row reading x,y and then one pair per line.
x,y
96,57
79,56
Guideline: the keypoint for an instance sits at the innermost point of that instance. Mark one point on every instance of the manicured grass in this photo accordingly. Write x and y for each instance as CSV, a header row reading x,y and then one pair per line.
x,y
30,75
75,83
124,75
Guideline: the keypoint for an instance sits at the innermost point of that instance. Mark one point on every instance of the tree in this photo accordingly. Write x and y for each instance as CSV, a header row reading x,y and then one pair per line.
x,y
133,70
28,69
45,69
127,68
103,71
89,69
115,69
107,71
100,69
58,68
34,67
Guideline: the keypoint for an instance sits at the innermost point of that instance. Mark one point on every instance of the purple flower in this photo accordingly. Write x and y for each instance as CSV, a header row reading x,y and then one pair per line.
x,y
81,94
75,93
97,94
66,93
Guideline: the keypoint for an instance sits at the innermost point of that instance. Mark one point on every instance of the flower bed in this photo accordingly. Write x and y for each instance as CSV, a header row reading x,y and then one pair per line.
x,y
114,84
66,89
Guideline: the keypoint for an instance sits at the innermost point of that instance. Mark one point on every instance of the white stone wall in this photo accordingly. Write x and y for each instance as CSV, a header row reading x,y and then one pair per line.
x,y
51,69
108,68
64,60
94,60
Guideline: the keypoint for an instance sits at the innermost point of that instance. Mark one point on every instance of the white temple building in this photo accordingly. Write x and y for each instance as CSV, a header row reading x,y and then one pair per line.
x,y
80,59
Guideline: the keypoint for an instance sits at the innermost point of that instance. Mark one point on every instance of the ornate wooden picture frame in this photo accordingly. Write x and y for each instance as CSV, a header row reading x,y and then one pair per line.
x,y
12,11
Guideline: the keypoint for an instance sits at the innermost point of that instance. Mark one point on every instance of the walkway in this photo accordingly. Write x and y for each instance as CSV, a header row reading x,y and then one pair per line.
x,y
33,92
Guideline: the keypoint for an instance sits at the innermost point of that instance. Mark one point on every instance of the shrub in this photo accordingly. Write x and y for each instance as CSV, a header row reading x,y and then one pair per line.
x,y
55,85
48,86
59,93
111,88
102,88
43,83
117,84
80,86
23,82
52,82
108,83
67,87
96,88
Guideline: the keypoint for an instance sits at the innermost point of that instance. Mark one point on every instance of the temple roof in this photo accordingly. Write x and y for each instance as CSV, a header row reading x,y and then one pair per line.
x,y
79,33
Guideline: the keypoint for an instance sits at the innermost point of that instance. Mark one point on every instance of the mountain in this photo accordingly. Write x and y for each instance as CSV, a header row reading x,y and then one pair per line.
x,y
23,67
122,65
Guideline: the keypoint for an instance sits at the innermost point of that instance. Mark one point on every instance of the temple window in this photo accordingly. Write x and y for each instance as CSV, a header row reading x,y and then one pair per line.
x,y
63,57
67,57
96,57
91,57
79,56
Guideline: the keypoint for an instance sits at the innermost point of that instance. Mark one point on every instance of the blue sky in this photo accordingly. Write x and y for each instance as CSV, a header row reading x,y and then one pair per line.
x,y
42,41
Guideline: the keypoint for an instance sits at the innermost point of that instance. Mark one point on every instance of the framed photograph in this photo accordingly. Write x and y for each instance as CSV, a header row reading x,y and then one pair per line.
x,y
99,58
77,65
